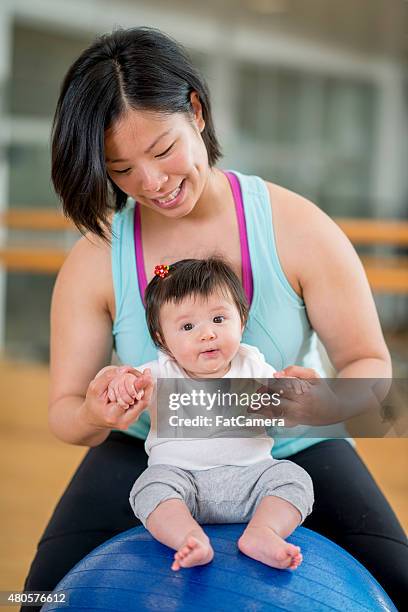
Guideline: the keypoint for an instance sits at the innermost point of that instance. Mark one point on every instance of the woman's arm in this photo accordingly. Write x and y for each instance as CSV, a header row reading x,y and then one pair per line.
x,y
323,267
81,344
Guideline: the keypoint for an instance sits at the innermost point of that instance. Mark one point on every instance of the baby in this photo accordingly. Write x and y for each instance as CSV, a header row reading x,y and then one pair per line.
x,y
196,311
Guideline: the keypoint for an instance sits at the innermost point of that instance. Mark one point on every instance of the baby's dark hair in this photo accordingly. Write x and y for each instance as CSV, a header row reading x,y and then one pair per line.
x,y
197,277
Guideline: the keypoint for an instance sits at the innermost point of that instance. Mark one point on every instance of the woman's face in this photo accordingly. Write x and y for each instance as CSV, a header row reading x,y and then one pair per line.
x,y
159,160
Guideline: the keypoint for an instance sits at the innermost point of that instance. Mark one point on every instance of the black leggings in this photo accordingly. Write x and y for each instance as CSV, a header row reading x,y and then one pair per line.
x,y
349,509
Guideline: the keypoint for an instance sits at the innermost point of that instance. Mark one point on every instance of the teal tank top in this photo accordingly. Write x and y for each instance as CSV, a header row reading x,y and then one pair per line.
x,y
277,325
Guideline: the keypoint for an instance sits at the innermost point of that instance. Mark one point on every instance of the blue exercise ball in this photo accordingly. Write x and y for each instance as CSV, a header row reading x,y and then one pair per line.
x,y
131,572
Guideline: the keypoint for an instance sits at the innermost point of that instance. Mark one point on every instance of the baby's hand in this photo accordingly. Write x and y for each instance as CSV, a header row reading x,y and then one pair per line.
x,y
299,378
298,372
121,389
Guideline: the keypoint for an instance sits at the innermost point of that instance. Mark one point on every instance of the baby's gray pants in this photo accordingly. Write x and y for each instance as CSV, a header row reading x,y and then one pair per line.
x,y
227,494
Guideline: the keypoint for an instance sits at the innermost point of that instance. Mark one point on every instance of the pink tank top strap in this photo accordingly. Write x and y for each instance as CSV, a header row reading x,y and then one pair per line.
x,y
140,267
247,281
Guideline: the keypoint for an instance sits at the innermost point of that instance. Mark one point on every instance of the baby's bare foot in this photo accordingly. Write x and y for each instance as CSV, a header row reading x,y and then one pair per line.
x,y
194,551
263,544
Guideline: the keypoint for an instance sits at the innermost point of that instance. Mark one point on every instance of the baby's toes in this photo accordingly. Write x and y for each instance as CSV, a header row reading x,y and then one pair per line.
x,y
286,555
282,559
293,551
183,552
296,561
192,543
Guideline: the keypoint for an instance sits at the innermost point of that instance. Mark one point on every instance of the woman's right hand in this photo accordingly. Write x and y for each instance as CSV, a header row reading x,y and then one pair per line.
x,y
99,412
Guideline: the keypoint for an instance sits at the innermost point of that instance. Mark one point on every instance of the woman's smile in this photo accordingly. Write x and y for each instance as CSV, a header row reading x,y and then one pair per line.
x,y
172,199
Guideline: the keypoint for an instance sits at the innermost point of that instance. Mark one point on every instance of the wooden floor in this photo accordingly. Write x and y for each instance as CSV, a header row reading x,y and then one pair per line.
x,y
35,467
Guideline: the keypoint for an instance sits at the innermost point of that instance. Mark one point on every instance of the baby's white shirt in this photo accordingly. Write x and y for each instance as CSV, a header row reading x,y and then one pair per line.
x,y
207,453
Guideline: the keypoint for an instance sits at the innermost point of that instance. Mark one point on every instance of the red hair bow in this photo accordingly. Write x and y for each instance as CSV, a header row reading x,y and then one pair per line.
x,y
161,270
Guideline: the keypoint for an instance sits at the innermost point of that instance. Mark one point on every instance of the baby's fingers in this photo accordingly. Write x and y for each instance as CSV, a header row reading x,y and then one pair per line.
x,y
306,386
298,371
129,384
111,394
124,397
299,386
144,383
296,386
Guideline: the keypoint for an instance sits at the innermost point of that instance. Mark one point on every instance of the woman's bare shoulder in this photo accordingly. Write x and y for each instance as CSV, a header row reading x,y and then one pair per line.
x,y
290,206
87,269
304,233
298,217
90,254
91,245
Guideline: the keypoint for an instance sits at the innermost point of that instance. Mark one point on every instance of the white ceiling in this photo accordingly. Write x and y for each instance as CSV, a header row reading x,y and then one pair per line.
x,y
371,26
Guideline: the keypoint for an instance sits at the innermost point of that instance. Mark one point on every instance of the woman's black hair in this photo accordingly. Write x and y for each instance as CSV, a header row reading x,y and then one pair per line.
x,y
191,277
140,68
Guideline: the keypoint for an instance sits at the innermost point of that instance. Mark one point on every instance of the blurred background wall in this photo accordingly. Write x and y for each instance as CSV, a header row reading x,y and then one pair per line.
x,y
311,94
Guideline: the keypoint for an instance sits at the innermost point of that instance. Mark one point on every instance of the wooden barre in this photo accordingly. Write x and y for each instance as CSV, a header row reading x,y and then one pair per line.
x,y
385,274
360,231
36,260
375,231
35,219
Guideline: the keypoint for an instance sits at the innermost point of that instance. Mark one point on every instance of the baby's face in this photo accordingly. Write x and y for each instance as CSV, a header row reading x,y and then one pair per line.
x,y
202,334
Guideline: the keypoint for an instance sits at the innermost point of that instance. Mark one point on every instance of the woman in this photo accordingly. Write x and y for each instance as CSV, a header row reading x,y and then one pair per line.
x,y
134,119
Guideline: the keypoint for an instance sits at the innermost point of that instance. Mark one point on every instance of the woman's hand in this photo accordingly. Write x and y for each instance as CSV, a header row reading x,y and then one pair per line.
x,y
100,411
305,398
